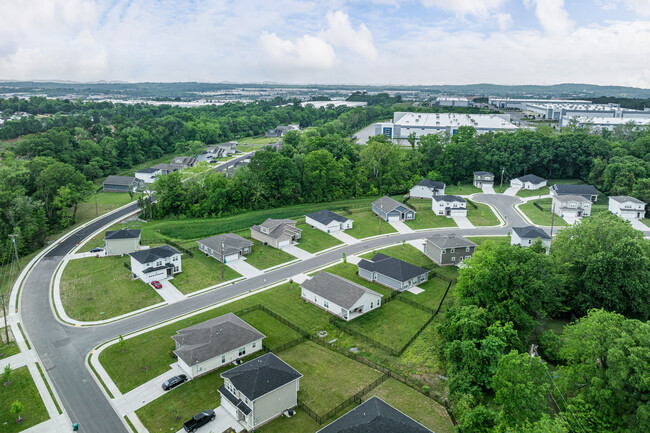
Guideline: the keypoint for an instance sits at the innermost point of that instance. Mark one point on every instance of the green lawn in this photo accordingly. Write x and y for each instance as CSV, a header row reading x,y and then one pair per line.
x,y
601,205
463,189
483,216
265,256
479,240
537,216
200,272
299,423
276,333
434,290
419,407
24,390
98,239
106,202
9,348
545,190
425,218
101,288
328,377
313,240
367,224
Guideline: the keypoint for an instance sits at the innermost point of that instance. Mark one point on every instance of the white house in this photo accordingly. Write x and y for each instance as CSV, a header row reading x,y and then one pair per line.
x,y
339,296
449,205
214,343
587,191
328,221
156,264
260,390
483,178
525,236
119,242
148,175
571,206
427,189
530,181
626,207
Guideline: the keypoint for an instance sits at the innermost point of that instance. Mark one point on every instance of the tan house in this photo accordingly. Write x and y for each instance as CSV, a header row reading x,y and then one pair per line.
x,y
119,242
276,233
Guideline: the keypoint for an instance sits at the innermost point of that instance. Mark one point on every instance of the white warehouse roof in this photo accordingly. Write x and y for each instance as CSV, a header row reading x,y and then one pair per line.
x,y
451,120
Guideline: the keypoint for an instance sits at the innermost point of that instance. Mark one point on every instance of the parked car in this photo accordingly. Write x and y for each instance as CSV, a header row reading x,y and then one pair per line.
x,y
199,420
97,250
156,284
173,382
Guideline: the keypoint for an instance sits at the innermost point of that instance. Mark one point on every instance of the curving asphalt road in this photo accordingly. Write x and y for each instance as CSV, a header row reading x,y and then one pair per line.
x,y
63,348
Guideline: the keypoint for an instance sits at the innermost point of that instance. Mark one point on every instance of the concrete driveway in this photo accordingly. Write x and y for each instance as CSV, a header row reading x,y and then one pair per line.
x,y
246,270
223,421
297,252
401,227
488,190
344,237
463,222
170,293
512,191
640,226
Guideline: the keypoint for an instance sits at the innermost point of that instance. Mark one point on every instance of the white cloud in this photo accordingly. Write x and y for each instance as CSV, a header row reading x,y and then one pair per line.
x,y
552,15
340,32
480,8
504,21
307,52
641,7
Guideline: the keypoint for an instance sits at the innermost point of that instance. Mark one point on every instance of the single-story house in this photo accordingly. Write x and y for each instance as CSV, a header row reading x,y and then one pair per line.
x,y
212,344
155,264
427,189
259,390
148,175
390,209
529,181
587,191
165,169
483,178
280,130
448,249
449,205
339,296
328,221
627,207
119,242
525,236
572,206
226,248
122,184
276,233
374,415
183,162
391,272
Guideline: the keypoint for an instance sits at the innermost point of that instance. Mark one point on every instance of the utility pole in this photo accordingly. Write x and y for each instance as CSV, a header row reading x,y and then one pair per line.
x,y
501,186
96,208
13,241
552,217
223,260
4,312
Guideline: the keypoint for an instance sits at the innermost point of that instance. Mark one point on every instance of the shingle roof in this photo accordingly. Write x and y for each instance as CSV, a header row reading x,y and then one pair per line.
x,y
531,178
531,232
387,204
232,243
214,337
261,375
449,198
561,188
573,197
326,217
270,223
431,184
119,180
450,241
336,289
483,173
166,167
152,254
392,267
147,170
122,234
624,198
277,227
375,416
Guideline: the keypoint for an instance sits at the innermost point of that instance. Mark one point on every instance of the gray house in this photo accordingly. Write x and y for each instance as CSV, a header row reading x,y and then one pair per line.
x,y
165,169
389,209
391,272
277,233
226,248
483,178
118,242
182,162
122,184
448,249
525,236
587,191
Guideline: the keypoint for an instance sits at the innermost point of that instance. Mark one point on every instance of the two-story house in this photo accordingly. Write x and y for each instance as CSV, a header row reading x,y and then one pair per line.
x,y
277,233
449,205
626,207
483,178
525,236
155,264
122,184
448,249
587,191
120,242
226,247
391,272
571,206
427,189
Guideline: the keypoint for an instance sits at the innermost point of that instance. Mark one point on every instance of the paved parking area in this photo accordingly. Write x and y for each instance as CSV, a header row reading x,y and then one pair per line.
x,y
246,270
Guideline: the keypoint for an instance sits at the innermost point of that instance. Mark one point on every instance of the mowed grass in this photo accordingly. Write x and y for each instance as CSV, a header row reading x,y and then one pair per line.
x,y
482,216
419,407
367,224
542,218
462,189
200,272
480,240
102,288
328,377
265,256
106,202
7,348
425,218
276,333
299,423
434,290
24,390
314,240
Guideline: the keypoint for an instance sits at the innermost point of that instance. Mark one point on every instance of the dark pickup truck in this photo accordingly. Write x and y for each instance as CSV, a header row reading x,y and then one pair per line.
x,y
199,420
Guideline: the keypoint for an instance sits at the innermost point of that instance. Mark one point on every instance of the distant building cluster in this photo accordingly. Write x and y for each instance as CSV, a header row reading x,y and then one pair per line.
x,y
452,101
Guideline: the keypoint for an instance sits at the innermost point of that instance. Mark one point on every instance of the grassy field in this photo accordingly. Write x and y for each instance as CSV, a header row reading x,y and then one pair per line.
x,y
200,272
7,348
479,240
462,189
545,190
24,390
101,288
483,216
265,256
276,333
367,224
537,216
425,218
434,290
313,240
248,144
299,423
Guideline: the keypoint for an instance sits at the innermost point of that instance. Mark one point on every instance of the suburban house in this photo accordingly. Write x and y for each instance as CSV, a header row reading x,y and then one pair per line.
x,y
448,249
339,296
529,181
525,236
212,344
449,205
155,264
259,390
328,221
391,272
374,415
277,233
587,191
483,178
165,169
427,189
119,242
389,209
280,130
148,175
226,248
183,162
627,207
222,150
571,206
122,184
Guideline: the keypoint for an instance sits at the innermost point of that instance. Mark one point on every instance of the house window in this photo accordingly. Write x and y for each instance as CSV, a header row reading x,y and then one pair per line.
x,y
467,257
254,344
175,258
223,359
175,269
372,305
453,259
467,250
453,250
444,250
159,263
242,351
326,304
378,302
315,298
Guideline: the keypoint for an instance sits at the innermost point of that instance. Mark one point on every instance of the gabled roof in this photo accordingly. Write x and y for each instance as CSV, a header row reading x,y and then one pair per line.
x,y
562,188
336,289
166,167
626,198
483,173
122,234
119,180
214,337
271,223
277,227
261,375
573,197
387,204
431,184
326,217
531,178
147,170
450,241
392,267
449,198
231,242
152,254
375,416
531,232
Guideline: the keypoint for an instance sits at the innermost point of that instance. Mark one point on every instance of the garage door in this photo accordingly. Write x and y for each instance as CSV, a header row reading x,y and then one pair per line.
x,y
232,258
284,243
393,218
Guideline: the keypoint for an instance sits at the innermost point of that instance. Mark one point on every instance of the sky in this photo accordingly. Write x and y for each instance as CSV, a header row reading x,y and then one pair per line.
x,y
426,42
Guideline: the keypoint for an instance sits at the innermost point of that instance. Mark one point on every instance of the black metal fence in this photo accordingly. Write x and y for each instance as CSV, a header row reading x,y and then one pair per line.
x,y
471,203
538,206
127,266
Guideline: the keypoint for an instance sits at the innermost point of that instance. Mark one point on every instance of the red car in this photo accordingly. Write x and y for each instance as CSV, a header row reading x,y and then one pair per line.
x,y
156,284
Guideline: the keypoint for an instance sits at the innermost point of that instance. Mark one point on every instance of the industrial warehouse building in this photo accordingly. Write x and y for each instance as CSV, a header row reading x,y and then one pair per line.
x,y
520,103
452,101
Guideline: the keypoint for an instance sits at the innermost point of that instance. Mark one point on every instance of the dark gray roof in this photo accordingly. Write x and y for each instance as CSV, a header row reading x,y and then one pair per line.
x,y
261,375
232,243
387,204
483,173
147,170
562,188
326,217
336,289
449,198
213,338
450,241
624,198
122,234
166,167
392,267
431,184
375,416
531,232
277,227
183,160
152,254
119,180
531,178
